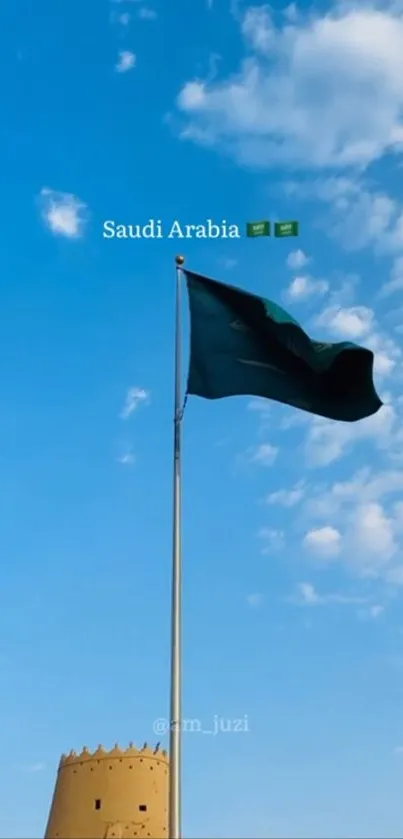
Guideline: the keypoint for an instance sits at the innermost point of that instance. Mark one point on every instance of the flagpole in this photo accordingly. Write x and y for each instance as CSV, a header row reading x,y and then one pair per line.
x,y
175,733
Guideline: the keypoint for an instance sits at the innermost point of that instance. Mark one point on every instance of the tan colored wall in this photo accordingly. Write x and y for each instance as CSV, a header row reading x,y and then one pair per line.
x,y
122,781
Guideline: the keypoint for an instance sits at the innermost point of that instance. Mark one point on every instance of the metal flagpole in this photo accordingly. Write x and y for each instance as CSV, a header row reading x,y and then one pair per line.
x,y
175,733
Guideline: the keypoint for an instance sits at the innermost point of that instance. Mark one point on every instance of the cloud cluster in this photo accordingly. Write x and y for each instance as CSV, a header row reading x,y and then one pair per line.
x,y
127,59
328,441
356,522
358,216
321,91
360,521
358,323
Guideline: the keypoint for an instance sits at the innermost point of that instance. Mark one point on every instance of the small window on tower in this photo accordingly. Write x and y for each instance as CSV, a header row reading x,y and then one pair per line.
x,y
143,807
97,803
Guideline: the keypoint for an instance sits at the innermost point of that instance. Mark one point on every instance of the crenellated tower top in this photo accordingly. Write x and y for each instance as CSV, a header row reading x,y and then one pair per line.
x,y
115,753
116,793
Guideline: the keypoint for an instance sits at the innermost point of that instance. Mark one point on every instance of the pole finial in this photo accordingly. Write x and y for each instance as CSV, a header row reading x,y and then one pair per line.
x,y
180,260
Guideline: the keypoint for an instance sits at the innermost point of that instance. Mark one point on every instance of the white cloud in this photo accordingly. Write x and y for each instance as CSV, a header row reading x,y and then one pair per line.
x,y
145,13
353,323
127,458
396,281
357,323
291,13
294,419
254,600
373,536
359,216
192,96
258,29
135,396
272,540
126,61
327,441
325,541
366,217
287,498
63,213
303,287
365,486
261,406
307,595
370,525
350,60
371,613
297,260
265,454
124,18
344,290
386,354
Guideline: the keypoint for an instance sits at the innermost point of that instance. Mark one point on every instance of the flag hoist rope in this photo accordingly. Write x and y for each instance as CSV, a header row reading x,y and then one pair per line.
x,y
175,733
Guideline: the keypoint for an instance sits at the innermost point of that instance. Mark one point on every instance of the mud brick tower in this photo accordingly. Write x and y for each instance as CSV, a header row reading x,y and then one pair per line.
x,y
121,794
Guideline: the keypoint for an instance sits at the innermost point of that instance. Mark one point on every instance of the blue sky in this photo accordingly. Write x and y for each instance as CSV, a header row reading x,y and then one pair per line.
x,y
292,526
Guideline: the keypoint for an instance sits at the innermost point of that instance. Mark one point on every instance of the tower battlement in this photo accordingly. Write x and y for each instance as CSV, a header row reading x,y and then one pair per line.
x,y
116,752
111,794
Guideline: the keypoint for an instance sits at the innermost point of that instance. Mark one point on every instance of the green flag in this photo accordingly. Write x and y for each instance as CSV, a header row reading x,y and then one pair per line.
x,y
258,228
286,228
242,344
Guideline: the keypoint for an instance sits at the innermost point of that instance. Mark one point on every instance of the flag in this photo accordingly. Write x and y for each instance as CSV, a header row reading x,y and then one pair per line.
x,y
286,228
242,344
258,228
